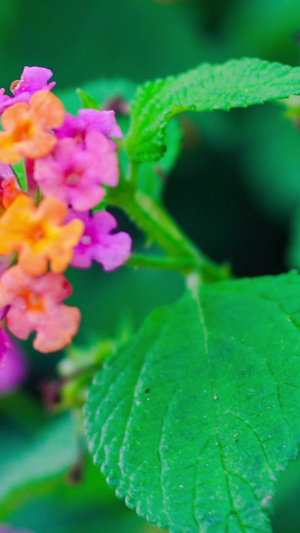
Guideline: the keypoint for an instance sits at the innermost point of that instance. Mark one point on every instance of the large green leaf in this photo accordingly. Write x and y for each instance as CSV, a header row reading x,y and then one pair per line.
x,y
238,83
194,418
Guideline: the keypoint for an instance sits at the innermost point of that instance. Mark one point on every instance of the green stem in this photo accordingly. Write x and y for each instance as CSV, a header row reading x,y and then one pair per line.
x,y
134,174
183,264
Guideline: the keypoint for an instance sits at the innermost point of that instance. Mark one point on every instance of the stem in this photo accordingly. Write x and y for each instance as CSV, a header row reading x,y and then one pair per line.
x,y
183,265
134,174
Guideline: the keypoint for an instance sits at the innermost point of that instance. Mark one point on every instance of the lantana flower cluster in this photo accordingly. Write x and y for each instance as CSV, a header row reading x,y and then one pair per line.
x,y
69,162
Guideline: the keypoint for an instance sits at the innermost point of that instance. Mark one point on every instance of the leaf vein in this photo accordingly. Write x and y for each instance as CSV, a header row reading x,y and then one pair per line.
x,y
214,395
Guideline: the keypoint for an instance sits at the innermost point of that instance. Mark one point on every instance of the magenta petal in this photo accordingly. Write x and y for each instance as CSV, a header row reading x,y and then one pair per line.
x,y
5,345
3,312
108,163
113,250
101,121
90,120
71,127
33,79
22,97
6,171
13,367
4,100
99,244
73,174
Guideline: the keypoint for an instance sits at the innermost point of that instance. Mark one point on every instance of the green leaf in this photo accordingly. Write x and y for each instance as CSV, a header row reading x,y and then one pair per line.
x,y
194,418
153,176
238,83
20,172
87,101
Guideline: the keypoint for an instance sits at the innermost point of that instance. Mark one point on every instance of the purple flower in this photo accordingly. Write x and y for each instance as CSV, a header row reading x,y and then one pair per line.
x,y
90,120
4,100
13,367
97,243
33,79
6,171
75,171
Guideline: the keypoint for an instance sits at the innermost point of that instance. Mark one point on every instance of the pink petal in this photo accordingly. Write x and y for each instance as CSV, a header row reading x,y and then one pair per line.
x,y
58,330
108,161
33,79
97,242
54,323
101,121
6,171
113,250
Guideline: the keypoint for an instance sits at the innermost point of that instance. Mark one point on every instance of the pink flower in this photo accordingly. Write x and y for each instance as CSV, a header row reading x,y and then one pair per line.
x,y
97,243
35,305
4,99
6,171
90,120
33,79
13,367
5,262
75,171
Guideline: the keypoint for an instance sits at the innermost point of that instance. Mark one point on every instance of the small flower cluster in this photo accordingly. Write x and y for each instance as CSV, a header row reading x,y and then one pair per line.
x,y
69,160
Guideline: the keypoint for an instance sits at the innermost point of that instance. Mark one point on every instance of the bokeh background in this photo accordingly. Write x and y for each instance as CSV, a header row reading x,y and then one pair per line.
x,y
235,190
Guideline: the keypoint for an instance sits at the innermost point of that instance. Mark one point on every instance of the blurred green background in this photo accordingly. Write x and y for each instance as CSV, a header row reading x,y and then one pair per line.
x,y
235,190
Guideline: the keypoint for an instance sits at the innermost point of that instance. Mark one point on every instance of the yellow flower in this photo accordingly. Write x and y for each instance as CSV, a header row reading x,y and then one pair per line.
x,y
38,234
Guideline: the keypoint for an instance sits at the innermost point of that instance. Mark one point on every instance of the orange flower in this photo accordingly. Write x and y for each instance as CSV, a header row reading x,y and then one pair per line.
x,y
26,127
38,234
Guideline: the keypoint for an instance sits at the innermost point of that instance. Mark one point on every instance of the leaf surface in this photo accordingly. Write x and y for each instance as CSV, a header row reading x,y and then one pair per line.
x,y
237,83
194,418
